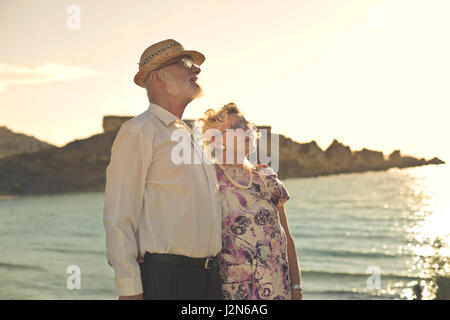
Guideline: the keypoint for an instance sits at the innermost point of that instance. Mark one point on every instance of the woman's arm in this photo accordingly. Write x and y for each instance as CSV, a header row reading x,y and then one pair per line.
x,y
294,269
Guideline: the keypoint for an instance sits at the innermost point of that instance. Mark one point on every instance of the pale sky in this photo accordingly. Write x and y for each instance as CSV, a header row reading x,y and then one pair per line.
x,y
369,73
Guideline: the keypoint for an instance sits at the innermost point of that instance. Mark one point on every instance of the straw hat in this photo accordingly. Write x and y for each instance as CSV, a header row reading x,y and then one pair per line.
x,y
160,53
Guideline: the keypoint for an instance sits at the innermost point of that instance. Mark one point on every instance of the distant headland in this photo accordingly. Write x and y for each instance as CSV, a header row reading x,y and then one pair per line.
x,y
29,166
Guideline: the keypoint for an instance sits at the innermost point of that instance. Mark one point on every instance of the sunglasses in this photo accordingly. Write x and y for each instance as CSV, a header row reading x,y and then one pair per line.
x,y
183,62
244,125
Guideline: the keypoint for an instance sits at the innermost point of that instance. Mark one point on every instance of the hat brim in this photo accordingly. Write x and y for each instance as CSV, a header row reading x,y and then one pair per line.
x,y
140,76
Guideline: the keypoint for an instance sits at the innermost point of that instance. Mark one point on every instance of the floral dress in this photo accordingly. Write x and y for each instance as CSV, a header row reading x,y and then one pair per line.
x,y
253,263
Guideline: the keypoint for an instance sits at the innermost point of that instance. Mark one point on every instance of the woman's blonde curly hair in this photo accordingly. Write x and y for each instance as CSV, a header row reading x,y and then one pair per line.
x,y
211,118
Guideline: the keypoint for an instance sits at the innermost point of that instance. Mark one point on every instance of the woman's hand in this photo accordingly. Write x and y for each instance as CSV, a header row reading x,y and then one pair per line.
x,y
136,297
140,259
296,294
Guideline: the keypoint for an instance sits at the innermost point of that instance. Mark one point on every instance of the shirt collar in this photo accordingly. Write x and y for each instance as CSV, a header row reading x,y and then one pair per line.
x,y
162,114
166,116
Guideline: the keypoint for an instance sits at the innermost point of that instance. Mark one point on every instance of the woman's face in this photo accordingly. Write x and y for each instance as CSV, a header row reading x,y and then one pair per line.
x,y
242,133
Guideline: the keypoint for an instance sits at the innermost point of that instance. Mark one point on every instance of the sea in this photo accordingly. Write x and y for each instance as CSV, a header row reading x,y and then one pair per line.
x,y
372,235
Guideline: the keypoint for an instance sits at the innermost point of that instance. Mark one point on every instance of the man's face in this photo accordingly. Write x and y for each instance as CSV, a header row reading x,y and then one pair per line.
x,y
180,78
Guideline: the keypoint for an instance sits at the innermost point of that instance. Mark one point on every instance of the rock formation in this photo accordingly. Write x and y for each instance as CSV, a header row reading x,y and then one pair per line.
x,y
14,143
80,165
308,160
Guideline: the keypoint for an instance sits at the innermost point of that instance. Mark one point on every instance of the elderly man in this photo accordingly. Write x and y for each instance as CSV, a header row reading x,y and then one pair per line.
x,y
155,207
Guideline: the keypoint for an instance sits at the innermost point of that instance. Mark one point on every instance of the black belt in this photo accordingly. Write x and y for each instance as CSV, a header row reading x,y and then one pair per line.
x,y
204,263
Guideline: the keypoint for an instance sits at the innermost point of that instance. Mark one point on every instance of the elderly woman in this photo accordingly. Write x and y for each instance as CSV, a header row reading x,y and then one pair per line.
x,y
258,258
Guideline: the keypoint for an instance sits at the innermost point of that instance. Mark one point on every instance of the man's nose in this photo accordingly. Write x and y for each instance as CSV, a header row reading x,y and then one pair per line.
x,y
196,69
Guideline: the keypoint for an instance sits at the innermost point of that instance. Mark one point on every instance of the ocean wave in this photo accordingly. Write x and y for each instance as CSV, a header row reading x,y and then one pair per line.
x,y
352,294
65,250
337,274
348,253
344,233
19,267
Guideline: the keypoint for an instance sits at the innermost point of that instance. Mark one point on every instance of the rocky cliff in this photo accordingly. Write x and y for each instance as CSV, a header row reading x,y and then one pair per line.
x,y
80,165
14,143
308,160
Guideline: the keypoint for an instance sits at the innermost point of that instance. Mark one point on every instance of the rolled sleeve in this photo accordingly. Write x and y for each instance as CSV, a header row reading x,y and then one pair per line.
x,y
126,173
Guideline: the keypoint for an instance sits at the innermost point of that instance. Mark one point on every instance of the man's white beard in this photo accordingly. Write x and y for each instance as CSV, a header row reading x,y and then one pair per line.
x,y
177,86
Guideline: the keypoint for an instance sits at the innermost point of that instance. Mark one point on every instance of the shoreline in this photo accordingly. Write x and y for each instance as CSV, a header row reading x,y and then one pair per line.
x,y
5,197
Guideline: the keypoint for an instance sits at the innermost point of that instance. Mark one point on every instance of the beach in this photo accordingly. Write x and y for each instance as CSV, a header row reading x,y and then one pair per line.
x,y
358,236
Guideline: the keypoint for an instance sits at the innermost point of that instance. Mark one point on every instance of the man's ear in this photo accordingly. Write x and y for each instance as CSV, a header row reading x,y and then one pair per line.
x,y
154,75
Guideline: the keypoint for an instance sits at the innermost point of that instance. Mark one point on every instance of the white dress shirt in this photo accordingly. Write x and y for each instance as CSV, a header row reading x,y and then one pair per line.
x,y
153,204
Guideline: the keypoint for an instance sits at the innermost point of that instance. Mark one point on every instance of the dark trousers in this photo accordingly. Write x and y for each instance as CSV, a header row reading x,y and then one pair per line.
x,y
173,277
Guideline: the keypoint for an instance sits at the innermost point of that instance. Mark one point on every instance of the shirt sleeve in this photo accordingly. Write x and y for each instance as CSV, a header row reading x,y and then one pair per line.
x,y
126,173
278,193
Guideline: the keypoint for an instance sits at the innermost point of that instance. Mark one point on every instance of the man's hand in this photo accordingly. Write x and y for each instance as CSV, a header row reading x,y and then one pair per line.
x,y
140,260
136,297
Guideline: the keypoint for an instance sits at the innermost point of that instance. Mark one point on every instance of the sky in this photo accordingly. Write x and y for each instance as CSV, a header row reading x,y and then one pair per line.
x,y
371,74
